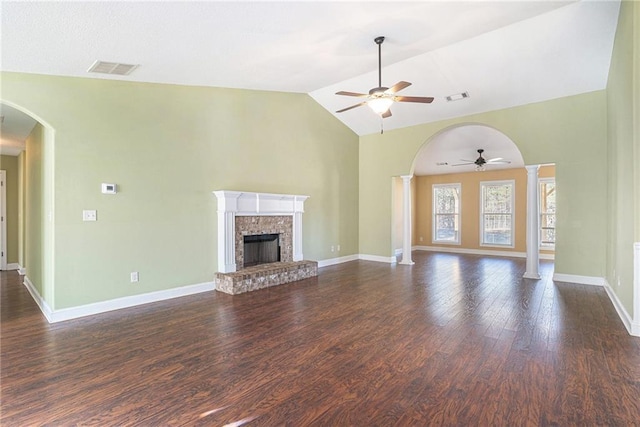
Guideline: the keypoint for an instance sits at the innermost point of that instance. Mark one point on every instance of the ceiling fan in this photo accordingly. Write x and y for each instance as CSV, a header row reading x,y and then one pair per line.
x,y
480,162
380,98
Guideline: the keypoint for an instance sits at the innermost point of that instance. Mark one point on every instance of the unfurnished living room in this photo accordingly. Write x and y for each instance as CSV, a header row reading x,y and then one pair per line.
x,y
320,213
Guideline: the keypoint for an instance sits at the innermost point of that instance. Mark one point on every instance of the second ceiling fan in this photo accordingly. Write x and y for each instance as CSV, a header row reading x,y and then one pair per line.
x,y
380,98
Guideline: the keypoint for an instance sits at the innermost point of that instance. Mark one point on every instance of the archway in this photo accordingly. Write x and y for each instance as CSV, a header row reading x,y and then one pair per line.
x,y
36,201
452,154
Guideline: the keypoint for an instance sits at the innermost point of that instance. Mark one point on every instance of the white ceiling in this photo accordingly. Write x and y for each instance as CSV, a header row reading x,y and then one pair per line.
x,y
503,53
459,144
15,127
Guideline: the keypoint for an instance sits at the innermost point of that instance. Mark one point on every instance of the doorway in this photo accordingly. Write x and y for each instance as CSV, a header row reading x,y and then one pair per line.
x,y
3,220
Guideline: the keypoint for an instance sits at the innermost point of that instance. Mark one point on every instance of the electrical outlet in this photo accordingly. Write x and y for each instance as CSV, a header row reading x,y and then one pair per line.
x,y
338,248
89,215
333,248
134,276
421,239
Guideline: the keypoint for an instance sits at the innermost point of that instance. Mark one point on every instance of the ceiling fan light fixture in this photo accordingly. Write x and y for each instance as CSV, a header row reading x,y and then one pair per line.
x,y
480,168
380,105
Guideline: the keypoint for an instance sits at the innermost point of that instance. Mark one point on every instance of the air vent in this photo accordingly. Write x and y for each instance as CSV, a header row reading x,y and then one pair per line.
x,y
1,119
442,164
112,68
457,96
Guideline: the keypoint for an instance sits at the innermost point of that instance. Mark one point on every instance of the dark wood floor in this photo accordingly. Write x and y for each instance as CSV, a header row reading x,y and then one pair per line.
x,y
453,340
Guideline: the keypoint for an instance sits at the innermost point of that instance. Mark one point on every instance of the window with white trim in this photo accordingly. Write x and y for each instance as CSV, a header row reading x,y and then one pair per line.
x,y
497,213
446,213
547,212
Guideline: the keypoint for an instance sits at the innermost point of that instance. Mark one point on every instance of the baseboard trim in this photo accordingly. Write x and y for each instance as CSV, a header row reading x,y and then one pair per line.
x,y
378,258
456,250
582,280
40,302
13,266
339,260
54,316
632,328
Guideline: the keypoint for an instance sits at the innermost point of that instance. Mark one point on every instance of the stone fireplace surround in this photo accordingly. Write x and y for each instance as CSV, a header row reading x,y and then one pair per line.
x,y
245,213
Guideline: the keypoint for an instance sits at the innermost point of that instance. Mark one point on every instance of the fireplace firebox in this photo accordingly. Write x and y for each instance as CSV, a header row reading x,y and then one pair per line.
x,y
261,249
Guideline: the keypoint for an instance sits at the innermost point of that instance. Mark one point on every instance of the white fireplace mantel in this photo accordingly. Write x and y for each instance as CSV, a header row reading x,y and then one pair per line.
x,y
242,203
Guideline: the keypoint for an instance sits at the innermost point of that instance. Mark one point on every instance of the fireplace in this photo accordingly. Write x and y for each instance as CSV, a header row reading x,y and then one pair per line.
x,y
260,241
242,214
261,249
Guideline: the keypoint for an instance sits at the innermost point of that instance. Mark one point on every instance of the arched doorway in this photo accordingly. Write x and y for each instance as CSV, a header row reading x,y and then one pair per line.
x,y
494,196
33,144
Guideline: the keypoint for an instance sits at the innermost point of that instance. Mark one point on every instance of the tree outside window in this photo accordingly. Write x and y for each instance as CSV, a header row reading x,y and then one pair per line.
x,y
547,212
446,213
496,219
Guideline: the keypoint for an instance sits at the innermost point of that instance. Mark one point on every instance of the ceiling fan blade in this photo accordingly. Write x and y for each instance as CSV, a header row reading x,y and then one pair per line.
x,y
349,108
497,162
397,87
342,92
386,114
423,99
495,159
463,164
467,160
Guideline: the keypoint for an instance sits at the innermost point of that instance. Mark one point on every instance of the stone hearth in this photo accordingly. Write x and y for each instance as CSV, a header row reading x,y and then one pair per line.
x,y
264,275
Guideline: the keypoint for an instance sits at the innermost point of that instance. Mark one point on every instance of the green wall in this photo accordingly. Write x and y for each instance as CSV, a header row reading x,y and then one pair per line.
x,y
167,148
570,132
622,133
34,211
10,165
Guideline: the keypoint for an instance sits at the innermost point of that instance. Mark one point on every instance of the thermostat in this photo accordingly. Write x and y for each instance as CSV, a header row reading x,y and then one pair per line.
x,y
109,189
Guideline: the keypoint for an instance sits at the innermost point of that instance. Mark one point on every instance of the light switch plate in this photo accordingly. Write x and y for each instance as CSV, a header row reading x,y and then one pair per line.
x,y
89,215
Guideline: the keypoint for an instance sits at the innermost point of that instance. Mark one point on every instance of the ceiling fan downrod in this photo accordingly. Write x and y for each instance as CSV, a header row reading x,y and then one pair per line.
x,y
379,41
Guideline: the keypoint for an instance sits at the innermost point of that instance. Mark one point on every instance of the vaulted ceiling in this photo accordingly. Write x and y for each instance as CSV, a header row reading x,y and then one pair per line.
x,y
502,53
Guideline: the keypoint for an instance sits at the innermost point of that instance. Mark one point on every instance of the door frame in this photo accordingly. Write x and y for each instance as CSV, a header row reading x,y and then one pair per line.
x,y
3,220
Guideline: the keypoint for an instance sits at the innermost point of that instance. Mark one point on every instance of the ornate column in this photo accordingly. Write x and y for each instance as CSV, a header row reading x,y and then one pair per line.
x,y
406,221
533,222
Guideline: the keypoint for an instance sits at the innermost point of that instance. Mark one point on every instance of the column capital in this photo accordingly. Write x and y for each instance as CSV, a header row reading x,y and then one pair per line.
x,y
406,177
532,168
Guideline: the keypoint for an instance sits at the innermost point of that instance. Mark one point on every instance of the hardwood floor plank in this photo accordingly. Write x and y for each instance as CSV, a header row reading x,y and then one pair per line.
x,y
452,340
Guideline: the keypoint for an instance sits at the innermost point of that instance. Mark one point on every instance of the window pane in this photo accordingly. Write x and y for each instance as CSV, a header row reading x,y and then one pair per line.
x,y
497,229
497,213
547,197
447,228
446,200
497,199
547,212
446,213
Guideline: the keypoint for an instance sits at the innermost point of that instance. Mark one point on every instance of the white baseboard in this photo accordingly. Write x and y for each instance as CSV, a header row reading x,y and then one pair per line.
x,y
489,252
583,280
42,304
13,266
54,316
339,260
398,252
632,328
378,258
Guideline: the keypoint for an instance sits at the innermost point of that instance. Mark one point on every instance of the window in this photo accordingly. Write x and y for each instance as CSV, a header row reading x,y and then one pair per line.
x,y
446,213
496,218
547,212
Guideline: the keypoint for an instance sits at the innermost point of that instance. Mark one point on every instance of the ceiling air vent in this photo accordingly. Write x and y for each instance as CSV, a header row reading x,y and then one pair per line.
x,y
457,96
111,68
